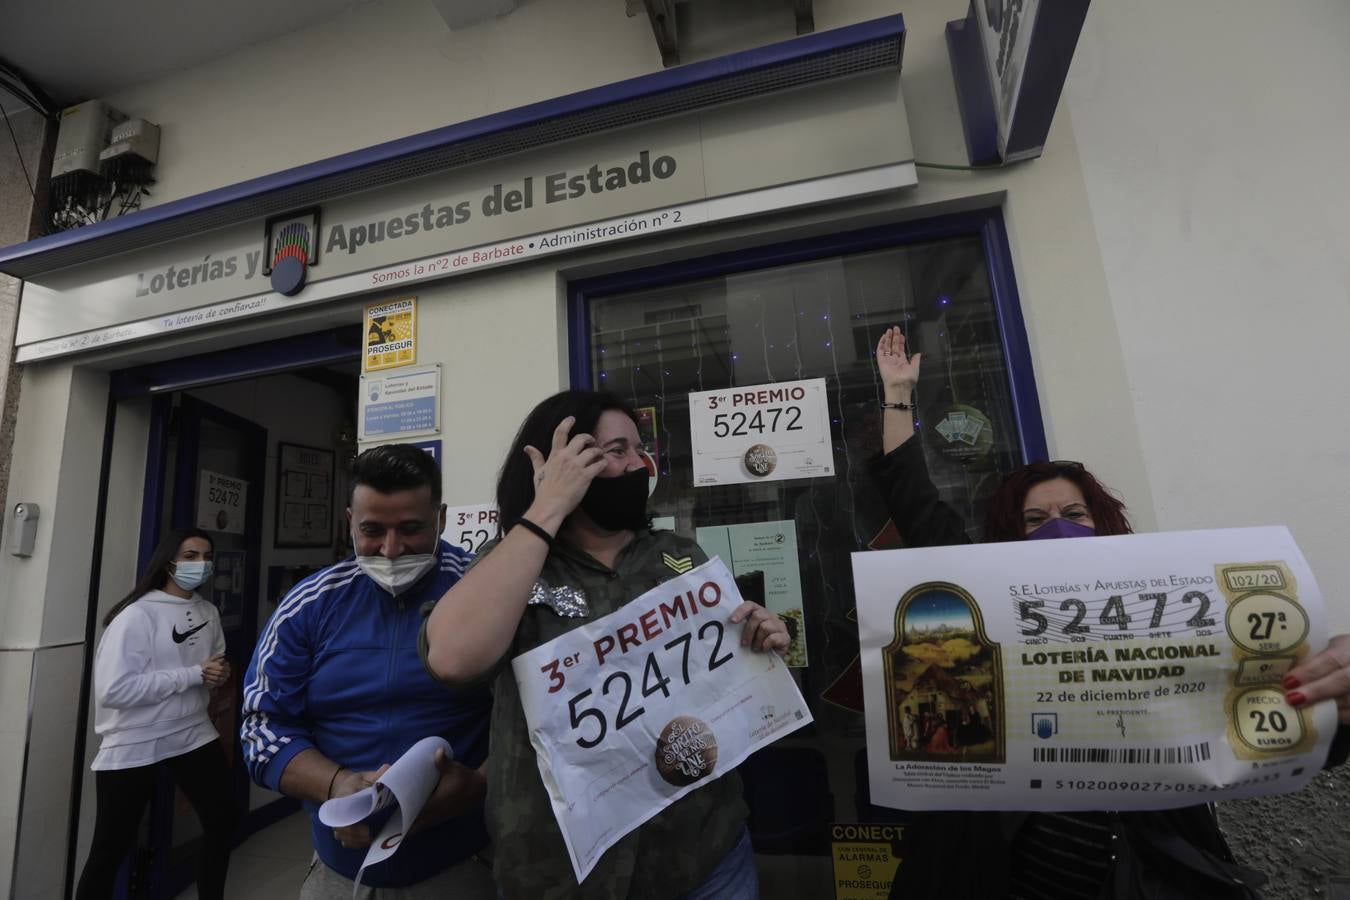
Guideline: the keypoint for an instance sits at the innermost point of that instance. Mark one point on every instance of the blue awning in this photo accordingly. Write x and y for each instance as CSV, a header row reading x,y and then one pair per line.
x,y
866,47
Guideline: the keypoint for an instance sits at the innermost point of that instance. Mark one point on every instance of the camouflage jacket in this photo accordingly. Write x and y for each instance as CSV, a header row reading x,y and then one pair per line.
x,y
669,855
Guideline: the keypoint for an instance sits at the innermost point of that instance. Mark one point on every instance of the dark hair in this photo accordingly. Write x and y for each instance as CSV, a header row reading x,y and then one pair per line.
x,y
1004,519
515,481
396,467
156,573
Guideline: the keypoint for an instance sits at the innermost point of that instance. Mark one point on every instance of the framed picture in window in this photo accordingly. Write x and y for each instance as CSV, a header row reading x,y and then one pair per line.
x,y
304,516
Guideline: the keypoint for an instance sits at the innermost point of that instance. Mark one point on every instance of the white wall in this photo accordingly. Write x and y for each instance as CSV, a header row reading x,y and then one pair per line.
x,y
1212,136
43,599
382,70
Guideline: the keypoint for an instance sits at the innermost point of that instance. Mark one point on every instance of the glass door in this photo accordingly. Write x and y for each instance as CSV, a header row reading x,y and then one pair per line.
x,y
218,461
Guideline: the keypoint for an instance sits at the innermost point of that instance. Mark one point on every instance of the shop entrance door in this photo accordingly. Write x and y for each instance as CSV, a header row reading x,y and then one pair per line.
x,y
206,466
212,479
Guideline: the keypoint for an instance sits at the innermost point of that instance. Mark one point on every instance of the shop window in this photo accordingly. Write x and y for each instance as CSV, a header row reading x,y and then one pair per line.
x,y
820,315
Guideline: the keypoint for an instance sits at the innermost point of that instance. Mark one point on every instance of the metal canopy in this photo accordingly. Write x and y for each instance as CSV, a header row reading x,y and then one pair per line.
x,y
868,46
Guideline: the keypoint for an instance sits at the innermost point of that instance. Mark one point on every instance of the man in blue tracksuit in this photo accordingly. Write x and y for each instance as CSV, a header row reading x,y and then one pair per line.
x,y
336,689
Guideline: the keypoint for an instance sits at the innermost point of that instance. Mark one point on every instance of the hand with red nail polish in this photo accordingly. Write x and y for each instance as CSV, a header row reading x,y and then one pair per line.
x,y
1323,676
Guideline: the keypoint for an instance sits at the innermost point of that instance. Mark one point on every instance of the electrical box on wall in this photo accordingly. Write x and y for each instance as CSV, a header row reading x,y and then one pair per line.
x,y
84,133
102,166
132,153
134,137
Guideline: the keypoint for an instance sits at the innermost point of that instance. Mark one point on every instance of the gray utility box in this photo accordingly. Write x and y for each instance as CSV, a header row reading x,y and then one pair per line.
x,y
84,133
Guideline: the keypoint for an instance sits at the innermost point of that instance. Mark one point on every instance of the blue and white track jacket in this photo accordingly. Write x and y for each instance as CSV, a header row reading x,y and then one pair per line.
x,y
337,669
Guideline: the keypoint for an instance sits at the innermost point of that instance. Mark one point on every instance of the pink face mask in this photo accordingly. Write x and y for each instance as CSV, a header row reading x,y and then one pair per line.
x,y
1061,528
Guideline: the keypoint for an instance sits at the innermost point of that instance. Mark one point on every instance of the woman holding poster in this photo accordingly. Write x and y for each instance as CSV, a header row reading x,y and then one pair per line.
x,y
576,545
1166,853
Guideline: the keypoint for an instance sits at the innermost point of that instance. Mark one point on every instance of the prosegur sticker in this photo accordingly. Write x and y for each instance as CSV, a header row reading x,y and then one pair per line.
x,y
866,858
391,334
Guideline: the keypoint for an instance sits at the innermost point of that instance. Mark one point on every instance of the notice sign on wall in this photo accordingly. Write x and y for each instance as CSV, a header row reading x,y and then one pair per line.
x,y
391,334
866,858
221,502
470,527
407,401
763,557
765,432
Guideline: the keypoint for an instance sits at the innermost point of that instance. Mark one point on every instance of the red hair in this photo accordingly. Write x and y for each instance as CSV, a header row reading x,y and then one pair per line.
x,y
1003,522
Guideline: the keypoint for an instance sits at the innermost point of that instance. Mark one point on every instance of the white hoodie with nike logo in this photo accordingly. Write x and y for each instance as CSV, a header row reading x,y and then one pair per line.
x,y
151,702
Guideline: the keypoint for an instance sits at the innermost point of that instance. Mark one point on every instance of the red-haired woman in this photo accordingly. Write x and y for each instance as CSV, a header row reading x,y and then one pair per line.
x,y
1166,853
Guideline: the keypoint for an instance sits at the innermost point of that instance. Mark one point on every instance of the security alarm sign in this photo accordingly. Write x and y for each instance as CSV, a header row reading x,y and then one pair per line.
x,y
766,432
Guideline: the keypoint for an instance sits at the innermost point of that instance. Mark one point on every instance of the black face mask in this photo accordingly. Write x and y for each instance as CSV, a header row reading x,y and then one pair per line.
x,y
619,503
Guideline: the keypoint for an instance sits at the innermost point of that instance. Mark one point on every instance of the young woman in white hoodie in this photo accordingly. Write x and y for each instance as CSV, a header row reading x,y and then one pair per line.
x,y
161,653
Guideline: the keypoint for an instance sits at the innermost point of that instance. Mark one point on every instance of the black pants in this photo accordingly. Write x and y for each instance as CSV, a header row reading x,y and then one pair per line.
x,y
122,798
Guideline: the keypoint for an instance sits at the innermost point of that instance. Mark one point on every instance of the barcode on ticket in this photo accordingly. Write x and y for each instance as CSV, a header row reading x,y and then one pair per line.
x,y
1144,756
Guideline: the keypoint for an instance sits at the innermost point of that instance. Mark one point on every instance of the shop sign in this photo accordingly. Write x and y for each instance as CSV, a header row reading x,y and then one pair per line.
x,y
406,401
1011,60
634,183
764,432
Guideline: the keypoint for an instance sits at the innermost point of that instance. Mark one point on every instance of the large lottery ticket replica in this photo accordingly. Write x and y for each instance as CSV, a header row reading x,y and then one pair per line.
x,y
655,700
1131,672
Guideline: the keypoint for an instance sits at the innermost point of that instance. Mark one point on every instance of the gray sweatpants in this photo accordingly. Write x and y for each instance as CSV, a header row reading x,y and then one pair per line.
x,y
470,880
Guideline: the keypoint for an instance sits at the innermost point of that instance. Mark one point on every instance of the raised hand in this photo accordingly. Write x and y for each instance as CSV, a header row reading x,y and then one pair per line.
x,y
899,373
561,480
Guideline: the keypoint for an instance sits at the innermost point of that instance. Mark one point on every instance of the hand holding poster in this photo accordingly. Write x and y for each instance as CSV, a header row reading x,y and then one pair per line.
x,y
405,786
1129,672
637,709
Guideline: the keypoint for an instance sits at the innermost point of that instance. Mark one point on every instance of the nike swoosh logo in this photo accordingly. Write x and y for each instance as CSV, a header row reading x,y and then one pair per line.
x,y
179,637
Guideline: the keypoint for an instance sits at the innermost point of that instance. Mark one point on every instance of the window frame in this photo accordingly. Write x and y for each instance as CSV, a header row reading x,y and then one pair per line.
x,y
986,224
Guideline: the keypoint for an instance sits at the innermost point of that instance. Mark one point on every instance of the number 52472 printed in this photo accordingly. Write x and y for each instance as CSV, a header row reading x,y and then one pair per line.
x,y
1129,672
631,712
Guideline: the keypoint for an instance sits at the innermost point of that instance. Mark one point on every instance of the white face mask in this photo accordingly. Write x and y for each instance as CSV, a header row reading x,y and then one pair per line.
x,y
397,575
190,574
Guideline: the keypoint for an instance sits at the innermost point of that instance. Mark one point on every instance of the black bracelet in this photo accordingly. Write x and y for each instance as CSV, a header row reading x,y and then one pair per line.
x,y
332,781
904,406
536,530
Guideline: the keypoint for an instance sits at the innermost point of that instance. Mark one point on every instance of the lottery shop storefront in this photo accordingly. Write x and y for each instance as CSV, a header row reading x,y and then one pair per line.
x,y
748,226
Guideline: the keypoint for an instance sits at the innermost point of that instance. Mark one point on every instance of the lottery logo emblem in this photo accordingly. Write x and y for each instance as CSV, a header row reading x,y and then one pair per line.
x,y
292,248
686,751
760,460
1045,725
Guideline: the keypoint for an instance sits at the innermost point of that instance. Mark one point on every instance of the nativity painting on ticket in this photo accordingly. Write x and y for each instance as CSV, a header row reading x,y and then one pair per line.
x,y
944,680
